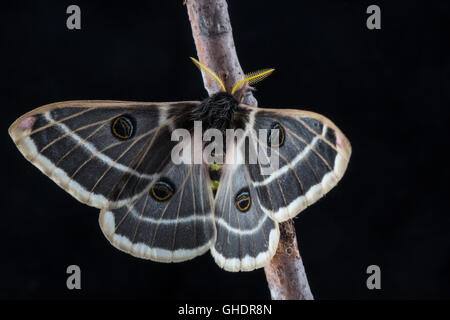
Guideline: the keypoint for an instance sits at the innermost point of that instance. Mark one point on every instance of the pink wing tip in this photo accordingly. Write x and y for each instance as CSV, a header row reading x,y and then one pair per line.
x,y
27,123
339,140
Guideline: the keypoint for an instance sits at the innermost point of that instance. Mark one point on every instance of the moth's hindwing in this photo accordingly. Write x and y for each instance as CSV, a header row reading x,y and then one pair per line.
x,y
247,237
104,153
171,222
313,157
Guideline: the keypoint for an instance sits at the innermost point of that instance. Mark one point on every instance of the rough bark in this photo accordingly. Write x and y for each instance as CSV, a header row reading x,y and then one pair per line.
x,y
213,37
285,273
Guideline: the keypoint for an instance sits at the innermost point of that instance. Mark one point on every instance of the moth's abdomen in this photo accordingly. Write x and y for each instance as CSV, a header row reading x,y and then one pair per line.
x,y
215,171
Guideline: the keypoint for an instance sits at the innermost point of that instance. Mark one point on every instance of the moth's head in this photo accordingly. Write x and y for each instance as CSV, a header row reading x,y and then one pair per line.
x,y
241,86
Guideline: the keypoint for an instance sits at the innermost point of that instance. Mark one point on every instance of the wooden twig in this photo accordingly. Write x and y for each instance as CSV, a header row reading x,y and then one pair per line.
x,y
213,37
285,274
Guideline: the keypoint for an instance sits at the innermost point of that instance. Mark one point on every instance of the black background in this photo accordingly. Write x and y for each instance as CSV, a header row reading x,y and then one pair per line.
x,y
388,90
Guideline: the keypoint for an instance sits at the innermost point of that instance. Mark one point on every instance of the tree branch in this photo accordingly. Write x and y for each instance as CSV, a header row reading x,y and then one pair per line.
x,y
285,273
213,37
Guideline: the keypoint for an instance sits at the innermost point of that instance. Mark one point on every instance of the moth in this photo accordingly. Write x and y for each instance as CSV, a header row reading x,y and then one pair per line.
x,y
116,156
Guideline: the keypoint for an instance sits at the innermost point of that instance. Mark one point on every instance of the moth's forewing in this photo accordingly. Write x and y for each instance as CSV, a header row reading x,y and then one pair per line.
x,y
312,157
86,148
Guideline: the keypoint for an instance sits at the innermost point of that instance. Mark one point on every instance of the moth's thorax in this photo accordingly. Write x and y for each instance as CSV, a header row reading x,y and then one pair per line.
x,y
216,111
